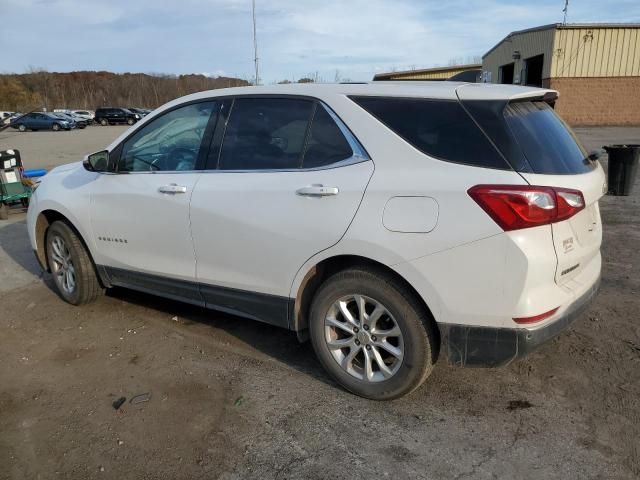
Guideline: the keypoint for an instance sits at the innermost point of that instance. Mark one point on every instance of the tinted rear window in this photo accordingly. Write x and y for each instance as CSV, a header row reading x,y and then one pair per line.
x,y
438,128
326,144
547,143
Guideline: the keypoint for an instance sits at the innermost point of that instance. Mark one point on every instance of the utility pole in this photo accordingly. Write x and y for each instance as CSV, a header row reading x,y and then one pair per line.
x,y
255,42
565,10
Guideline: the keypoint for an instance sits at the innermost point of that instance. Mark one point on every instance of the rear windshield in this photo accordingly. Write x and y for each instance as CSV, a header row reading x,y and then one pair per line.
x,y
546,141
531,136
438,128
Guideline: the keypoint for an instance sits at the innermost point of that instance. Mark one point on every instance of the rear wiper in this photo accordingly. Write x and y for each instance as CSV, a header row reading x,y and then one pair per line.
x,y
592,157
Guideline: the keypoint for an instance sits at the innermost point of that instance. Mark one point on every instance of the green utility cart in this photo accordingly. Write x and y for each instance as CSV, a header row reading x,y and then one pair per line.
x,y
12,188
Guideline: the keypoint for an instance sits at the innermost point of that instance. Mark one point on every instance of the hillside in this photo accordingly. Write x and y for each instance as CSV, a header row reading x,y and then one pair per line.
x,y
89,90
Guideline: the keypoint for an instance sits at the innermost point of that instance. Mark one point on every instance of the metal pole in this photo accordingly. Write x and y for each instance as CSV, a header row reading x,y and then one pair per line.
x,y
566,11
255,42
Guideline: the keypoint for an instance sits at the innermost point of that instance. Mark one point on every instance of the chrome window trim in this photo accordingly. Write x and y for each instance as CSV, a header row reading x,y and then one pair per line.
x,y
352,160
359,153
356,147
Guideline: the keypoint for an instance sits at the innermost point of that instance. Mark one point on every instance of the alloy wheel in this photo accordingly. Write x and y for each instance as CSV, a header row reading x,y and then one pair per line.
x,y
62,265
364,338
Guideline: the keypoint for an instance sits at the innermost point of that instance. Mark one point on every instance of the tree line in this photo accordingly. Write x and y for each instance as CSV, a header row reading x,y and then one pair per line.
x,y
41,89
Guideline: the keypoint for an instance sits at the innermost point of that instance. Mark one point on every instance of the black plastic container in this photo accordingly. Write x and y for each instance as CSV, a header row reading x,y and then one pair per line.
x,y
623,168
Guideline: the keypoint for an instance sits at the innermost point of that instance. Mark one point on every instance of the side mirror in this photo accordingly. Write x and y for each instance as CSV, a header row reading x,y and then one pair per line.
x,y
97,162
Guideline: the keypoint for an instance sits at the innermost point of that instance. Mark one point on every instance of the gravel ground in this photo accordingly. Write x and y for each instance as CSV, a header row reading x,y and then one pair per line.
x,y
233,399
48,149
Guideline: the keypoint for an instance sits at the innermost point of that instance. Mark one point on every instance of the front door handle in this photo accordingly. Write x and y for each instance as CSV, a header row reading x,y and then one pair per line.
x,y
317,191
172,188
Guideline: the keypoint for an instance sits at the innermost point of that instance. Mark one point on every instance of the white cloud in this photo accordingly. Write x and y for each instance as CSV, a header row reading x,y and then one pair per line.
x,y
356,37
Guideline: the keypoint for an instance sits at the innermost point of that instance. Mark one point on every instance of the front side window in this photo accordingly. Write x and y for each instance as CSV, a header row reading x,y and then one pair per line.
x,y
265,134
170,142
438,128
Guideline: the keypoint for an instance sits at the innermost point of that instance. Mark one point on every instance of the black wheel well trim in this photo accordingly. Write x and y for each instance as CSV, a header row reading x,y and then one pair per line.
x,y
45,219
300,305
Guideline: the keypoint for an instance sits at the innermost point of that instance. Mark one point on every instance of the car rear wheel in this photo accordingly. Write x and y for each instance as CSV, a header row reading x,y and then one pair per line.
x,y
22,128
371,334
55,127
130,121
73,272
103,122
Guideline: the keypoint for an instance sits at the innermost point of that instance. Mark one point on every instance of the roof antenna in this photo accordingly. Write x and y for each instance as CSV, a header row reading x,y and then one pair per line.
x,y
565,10
255,41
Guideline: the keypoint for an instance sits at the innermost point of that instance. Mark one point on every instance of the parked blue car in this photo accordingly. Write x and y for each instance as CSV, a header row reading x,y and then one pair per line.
x,y
42,121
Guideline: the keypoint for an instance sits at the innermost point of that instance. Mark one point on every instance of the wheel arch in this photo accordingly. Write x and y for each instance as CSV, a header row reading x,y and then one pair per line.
x,y
45,219
300,305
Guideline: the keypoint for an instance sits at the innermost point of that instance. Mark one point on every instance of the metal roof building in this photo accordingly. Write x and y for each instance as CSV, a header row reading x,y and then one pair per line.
x,y
437,73
595,67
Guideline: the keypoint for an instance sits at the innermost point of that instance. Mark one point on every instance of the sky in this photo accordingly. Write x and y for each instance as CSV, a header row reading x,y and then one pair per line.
x,y
333,39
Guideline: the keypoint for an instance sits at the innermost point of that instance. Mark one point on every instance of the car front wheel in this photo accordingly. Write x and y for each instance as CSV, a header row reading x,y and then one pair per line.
x,y
22,128
371,334
55,127
130,121
73,272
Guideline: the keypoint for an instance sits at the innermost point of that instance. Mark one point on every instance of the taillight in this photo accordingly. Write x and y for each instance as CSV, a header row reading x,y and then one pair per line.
x,y
523,206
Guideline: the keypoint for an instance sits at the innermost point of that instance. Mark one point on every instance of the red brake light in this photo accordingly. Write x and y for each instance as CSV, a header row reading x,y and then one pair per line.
x,y
523,206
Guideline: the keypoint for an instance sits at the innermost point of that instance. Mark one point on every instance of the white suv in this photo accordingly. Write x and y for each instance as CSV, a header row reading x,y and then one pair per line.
x,y
392,223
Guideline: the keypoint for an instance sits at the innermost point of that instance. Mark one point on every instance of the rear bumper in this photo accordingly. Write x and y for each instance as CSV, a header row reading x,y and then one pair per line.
x,y
472,346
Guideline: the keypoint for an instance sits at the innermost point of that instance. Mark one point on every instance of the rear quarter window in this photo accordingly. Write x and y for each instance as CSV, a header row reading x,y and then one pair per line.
x,y
439,128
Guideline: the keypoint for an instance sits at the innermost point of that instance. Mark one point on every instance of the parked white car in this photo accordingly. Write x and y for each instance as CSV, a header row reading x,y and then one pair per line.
x,y
5,117
87,114
394,224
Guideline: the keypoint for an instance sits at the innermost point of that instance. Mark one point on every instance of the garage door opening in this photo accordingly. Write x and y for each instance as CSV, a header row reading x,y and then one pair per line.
x,y
533,68
506,73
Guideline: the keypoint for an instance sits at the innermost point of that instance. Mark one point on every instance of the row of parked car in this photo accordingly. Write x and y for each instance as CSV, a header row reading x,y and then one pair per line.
x,y
65,119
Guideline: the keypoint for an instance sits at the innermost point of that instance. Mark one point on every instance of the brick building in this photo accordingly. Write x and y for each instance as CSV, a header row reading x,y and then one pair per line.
x,y
595,67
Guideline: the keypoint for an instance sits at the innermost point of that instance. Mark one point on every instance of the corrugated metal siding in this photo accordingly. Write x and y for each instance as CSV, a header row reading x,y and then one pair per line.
x,y
422,75
596,52
529,44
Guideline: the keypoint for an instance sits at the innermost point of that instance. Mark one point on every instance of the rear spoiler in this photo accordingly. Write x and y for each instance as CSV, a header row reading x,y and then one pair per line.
x,y
505,93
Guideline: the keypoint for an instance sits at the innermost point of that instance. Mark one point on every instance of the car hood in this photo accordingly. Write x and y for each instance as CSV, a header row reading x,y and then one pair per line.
x,y
66,168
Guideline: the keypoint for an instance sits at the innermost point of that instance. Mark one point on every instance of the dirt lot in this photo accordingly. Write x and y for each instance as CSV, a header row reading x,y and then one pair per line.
x,y
236,399
47,149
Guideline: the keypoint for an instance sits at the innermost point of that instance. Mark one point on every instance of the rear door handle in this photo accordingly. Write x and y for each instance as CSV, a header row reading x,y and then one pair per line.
x,y
172,188
317,191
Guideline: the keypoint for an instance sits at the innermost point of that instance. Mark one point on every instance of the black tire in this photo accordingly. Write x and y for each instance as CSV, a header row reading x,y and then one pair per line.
x,y
103,122
419,332
87,286
130,121
22,128
55,127
4,211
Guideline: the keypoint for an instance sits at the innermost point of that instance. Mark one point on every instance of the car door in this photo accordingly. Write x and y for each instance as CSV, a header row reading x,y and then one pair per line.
x,y
27,120
42,121
140,213
265,206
